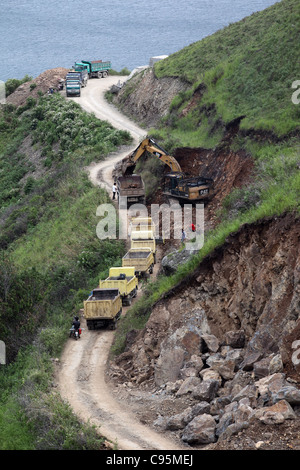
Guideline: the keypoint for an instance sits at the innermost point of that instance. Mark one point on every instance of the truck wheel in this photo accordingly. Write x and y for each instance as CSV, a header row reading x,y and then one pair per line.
x,y
99,75
104,74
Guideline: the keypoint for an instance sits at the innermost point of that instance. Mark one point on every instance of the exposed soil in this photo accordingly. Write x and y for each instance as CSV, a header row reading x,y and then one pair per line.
x,y
42,83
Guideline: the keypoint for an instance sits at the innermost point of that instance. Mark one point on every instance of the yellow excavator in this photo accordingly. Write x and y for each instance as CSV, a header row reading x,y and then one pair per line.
x,y
176,184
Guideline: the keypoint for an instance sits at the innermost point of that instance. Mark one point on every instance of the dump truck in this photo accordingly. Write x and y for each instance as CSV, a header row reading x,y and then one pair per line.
x,y
144,239
94,68
123,279
103,308
142,259
132,187
142,223
73,88
80,75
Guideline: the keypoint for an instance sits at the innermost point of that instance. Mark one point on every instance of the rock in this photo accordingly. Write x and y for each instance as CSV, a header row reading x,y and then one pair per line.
x,y
195,362
170,262
276,364
210,374
188,372
275,414
270,385
188,386
225,367
201,430
206,391
218,404
211,342
262,368
250,392
180,420
235,339
225,421
173,387
168,365
289,393
249,360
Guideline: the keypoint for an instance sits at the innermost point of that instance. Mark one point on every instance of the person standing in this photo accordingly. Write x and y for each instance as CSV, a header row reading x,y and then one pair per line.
x,y
114,188
183,237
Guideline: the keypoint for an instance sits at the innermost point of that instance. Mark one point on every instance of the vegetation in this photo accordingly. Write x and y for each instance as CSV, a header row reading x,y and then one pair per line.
x,y
245,70
50,259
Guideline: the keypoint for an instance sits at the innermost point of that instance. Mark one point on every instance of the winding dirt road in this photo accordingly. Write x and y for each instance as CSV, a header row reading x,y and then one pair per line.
x,y
82,370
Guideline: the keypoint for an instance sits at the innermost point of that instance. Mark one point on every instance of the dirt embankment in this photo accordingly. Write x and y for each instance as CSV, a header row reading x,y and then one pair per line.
x,y
42,83
247,287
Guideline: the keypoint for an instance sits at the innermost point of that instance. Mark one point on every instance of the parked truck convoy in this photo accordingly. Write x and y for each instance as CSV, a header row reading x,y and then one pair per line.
x,y
123,279
103,308
74,81
77,78
94,68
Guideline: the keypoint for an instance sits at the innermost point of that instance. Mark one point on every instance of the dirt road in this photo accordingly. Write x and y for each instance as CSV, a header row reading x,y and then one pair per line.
x,y
81,375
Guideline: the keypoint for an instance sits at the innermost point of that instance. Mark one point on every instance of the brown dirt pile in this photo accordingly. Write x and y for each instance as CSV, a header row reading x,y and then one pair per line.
x,y
46,80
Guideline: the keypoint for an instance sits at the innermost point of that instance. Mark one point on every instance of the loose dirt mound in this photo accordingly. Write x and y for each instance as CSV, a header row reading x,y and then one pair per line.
x,y
48,79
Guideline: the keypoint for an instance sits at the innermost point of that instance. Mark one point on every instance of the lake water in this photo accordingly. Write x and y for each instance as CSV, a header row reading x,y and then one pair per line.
x,y
37,35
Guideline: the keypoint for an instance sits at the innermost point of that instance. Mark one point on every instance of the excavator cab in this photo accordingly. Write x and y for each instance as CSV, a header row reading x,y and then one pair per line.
x,y
186,188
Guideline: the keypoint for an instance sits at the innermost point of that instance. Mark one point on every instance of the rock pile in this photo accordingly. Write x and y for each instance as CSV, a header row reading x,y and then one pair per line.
x,y
228,391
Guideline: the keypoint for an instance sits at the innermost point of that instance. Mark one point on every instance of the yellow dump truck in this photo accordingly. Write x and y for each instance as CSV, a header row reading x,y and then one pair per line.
x,y
103,308
144,239
123,279
141,258
142,223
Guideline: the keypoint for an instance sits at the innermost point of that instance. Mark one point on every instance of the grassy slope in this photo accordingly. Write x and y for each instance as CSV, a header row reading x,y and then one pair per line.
x,y
247,69
50,258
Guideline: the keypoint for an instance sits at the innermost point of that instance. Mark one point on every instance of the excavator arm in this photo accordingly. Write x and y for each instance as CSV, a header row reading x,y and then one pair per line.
x,y
149,145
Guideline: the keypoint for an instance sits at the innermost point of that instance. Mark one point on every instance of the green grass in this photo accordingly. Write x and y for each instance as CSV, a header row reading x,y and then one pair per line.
x,y
246,69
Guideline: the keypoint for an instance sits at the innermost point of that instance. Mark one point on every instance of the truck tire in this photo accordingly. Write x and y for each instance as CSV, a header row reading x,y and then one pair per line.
x,y
99,74
105,74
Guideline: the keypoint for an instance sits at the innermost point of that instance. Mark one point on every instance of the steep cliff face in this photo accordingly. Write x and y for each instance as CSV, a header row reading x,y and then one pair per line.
x,y
147,98
251,284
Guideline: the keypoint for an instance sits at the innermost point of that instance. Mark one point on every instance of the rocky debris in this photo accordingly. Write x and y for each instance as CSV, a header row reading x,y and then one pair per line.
x,y
225,337
170,262
42,83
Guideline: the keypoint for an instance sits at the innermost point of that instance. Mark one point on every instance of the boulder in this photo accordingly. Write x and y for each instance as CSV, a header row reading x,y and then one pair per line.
x,y
289,393
180,420
188,386
211,342
206,391
201,430
235,339
211,374
275,414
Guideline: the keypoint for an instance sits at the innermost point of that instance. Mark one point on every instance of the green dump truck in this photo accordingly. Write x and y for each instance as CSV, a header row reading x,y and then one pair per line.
x,y
144,239
123,279
95,68
142,259
103,308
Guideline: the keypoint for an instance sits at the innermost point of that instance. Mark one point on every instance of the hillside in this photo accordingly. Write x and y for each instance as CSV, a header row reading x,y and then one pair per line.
x,y
207,355
223,108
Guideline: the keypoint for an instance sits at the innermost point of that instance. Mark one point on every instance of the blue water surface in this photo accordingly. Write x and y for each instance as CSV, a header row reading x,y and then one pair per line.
x,y
39,35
